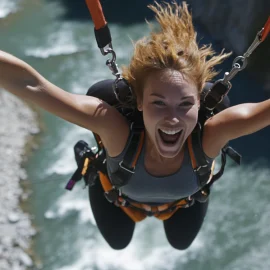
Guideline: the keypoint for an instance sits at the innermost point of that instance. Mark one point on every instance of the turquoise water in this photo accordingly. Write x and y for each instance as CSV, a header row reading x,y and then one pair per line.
x,y
236,231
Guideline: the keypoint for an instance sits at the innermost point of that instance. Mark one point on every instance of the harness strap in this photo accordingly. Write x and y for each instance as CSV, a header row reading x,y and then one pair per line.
x,y
163,211
216,94
202,168
98,140
127,165
139,211
266,30
102,31
96,12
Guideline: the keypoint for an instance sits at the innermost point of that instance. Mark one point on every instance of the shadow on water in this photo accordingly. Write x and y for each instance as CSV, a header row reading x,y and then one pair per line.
x,y
245,87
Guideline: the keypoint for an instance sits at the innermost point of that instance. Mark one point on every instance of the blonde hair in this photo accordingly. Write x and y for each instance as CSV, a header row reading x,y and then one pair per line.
x,y
173,46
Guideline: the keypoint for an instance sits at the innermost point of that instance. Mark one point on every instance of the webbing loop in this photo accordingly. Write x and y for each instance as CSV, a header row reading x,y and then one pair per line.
x,y
103,35
96,12
265,30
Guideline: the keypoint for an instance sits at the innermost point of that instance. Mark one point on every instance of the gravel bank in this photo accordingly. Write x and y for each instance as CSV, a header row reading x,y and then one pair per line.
x,y
17,123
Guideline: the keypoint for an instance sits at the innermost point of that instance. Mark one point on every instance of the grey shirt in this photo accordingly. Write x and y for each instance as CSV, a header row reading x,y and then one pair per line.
x,y
144,187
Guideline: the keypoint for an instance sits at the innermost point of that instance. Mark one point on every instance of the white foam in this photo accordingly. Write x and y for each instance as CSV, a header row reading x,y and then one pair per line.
x,y
58,49
59,42
98,255
70,202
7,7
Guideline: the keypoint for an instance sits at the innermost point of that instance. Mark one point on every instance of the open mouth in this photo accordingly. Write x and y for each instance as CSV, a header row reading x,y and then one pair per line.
x,y
169,139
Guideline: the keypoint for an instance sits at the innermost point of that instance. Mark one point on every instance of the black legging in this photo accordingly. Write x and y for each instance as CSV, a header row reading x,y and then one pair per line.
x,y
117,228
182,228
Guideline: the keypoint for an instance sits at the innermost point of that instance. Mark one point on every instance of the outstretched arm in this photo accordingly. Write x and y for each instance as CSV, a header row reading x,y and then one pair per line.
x,y
25,82
234,122
22,80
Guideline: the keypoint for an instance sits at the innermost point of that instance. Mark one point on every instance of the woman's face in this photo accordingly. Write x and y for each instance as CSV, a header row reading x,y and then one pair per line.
x,y
170,110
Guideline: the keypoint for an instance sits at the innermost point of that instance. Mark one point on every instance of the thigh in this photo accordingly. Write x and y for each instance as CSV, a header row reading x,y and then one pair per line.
x,y
115,226
182,228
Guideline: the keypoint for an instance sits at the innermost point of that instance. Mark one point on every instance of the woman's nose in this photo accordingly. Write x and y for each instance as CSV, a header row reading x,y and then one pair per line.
x,y
172,117
172,121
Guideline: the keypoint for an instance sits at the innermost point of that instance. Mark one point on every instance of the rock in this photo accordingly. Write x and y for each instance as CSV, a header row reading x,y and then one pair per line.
x,y
13,217
7,241
34,131
25,259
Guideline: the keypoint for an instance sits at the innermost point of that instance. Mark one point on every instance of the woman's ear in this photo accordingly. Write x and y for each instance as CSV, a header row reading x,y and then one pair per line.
x,y
199,101
139,105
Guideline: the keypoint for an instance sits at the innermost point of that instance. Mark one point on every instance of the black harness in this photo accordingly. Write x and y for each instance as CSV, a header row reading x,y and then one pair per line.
x,y
213,100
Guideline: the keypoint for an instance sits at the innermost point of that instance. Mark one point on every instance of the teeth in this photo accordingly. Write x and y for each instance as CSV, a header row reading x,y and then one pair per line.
x,y
171,131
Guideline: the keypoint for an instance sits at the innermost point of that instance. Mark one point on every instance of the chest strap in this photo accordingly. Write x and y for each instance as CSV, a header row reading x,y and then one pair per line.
x,y
126,166
201,165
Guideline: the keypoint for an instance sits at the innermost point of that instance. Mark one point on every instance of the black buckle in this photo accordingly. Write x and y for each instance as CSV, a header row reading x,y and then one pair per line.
x,y
112,195
202,195
234,155
150,213
130,170
216,94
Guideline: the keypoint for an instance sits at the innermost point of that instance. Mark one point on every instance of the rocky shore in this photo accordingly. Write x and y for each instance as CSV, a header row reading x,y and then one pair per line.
x,y
18,123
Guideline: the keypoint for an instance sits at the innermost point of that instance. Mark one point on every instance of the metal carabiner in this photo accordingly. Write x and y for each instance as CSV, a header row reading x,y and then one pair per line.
x,y
107,49
236,67
239,66
256,42
110,50
112,64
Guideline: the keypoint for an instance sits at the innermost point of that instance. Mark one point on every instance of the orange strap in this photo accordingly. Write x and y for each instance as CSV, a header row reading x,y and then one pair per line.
x,y
191,153
106,184
266,29
96,12
98,140
139,149
137,215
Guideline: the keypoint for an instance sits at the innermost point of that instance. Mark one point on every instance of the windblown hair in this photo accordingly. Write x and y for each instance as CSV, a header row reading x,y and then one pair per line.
x,y
173,46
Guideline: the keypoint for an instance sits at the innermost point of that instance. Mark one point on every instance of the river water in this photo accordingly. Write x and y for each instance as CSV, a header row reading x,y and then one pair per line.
x,y
236,231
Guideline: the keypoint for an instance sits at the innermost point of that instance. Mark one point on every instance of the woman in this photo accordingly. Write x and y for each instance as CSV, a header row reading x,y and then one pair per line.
x,y
167,74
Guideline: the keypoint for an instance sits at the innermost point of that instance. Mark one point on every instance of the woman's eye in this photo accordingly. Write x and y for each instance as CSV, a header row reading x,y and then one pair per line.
x,y
186,103
159,102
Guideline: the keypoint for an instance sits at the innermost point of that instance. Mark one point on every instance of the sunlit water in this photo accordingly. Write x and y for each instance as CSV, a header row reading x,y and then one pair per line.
x,y
236,231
